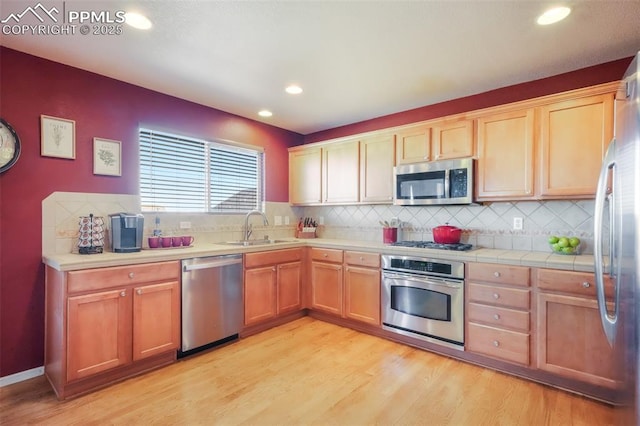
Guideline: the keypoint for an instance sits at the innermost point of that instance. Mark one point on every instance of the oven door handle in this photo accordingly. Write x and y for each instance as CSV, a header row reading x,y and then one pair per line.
x,y
429,281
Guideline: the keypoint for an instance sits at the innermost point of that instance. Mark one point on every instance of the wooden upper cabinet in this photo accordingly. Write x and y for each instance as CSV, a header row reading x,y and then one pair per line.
x,y
305,176
505,155
377,159
341,172
573,139
452,140
413,145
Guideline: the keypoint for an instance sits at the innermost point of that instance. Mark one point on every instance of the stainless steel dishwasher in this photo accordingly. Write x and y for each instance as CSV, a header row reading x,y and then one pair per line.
x,y
212,310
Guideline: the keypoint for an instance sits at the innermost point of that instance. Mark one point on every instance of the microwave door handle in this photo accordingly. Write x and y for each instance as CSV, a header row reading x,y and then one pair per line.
x,y
447,178
608,321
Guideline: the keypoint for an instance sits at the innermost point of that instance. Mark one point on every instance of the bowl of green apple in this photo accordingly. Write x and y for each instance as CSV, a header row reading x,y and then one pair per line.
x,y
564,245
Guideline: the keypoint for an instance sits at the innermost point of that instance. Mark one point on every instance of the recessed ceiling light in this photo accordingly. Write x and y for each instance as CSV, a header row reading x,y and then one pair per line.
x,y
553,15
293,89
265,113
137,20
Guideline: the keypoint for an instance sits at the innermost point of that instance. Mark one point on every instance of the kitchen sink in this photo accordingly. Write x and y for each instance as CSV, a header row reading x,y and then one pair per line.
x,y
252,242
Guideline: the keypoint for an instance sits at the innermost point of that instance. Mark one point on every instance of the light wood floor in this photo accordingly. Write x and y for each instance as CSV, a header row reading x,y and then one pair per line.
x,y
309,372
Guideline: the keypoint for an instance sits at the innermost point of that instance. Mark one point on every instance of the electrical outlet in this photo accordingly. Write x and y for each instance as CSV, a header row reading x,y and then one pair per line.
x,y
517,223
185,225
286,220
277,220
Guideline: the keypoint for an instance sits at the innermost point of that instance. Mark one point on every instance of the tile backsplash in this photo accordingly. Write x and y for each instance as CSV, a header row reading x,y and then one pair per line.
x,y
489,226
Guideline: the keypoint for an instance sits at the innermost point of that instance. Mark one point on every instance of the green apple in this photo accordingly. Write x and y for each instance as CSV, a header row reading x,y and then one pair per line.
x,y
556,247
568,250
553,239
563,242
574,241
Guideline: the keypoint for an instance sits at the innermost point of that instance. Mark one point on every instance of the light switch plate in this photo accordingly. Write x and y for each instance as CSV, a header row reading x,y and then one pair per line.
x,y
286,220
185,225
517,223
277,220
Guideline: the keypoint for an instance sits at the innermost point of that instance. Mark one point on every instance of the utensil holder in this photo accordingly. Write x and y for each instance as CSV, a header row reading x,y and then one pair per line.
x,y
389,235
306,232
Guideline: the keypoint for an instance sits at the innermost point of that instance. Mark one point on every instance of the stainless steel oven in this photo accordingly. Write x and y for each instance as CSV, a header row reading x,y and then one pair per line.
x,y
424,298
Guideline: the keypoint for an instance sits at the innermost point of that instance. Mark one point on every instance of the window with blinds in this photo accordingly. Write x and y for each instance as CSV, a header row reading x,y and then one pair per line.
x,y
180,174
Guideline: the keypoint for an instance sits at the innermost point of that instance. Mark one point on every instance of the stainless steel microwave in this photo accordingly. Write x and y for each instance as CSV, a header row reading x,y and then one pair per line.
x,y
436,182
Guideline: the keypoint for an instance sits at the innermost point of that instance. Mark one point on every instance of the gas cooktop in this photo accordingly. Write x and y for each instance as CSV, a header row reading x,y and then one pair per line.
x,y
433,245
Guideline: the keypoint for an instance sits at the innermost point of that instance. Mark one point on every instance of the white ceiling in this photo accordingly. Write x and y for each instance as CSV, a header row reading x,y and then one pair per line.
x,y
355,60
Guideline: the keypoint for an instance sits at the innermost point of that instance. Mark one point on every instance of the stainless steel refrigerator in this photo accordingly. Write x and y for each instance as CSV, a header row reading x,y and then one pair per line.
x,y
617,245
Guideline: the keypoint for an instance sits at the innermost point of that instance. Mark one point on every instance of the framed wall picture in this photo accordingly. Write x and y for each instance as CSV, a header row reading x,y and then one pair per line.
x,y
106,157
57,137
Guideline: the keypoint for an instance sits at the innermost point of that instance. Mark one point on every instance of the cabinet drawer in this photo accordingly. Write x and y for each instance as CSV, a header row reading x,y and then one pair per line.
x,y
253,260
578,283
499,274
326,255
102,278
498,343
498,317
500,296
358,258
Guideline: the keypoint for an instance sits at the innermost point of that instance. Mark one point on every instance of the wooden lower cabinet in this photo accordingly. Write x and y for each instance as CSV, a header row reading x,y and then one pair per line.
x,y
571,342
272,284
104,324
498,312
346,284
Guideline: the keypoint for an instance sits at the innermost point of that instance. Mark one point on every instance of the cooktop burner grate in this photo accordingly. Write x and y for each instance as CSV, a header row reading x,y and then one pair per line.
x,y
434,245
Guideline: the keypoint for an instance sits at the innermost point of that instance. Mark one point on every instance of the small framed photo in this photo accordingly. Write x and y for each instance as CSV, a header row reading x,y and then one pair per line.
x,y
106,157
57,137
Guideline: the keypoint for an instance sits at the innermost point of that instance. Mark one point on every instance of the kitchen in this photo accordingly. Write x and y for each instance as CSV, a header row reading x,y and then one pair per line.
x,y
113,109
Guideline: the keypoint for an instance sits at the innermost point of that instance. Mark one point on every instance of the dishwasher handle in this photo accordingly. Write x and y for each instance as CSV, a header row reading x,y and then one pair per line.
x,y
214,263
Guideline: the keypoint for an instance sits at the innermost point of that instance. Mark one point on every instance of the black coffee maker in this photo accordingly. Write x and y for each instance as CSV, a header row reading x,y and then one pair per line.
x,y
125,232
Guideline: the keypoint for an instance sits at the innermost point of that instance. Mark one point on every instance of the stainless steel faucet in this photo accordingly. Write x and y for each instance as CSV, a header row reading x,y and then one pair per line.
x,y
247,228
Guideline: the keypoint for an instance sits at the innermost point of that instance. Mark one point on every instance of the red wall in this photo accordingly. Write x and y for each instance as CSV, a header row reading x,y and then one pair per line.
x,y
585,77
101,107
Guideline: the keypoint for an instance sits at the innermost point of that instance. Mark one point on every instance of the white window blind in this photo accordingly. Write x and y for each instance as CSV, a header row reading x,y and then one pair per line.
x,y
180,174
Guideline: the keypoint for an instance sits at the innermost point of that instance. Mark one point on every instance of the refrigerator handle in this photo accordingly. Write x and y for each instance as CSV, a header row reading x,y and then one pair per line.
x,y
609,321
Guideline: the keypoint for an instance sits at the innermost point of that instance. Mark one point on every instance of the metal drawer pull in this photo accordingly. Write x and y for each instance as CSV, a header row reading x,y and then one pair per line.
x,y
496,296
131,274
123,293
496,274
496,343
586,284
496,316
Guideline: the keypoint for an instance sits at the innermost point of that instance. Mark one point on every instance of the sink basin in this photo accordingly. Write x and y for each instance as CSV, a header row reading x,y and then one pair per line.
x,y
252,242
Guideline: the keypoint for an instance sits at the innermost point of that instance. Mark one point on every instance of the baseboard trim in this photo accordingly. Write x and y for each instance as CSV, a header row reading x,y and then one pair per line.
x,y
21,376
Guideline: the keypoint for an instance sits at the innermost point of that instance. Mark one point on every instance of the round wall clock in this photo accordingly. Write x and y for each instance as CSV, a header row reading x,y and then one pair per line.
x,y
9,146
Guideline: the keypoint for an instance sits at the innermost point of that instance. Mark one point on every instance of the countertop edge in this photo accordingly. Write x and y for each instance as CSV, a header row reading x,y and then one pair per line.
x,y
74,261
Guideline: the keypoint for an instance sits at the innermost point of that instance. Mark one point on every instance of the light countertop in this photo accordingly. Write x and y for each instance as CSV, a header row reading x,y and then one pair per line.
x,y
72,261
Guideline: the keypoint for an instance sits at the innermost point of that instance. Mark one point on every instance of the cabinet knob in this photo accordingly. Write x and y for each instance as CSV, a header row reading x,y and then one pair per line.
x,y
496,296
496,316
325,255
131,274
586,284
496,343
361,258
496,274
139,291
273,269
123,293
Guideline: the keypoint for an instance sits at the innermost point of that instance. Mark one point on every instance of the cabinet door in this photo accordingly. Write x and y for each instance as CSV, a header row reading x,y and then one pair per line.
x,y
98,332
574,136
326,287
156,319
362,294
341,172
289,297
305,176
571,342
377,158
505,156
259,294
452,140
413,145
